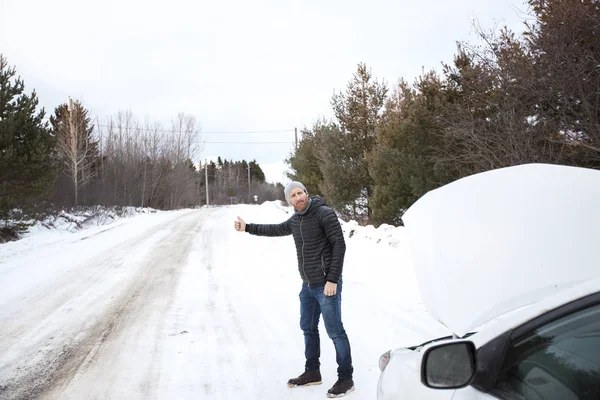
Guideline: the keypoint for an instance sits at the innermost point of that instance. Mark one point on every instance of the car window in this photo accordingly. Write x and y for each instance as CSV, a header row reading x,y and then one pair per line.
x,y
560,360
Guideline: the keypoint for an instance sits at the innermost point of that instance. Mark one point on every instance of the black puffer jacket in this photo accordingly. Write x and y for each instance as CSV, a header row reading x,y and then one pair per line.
x,y
319,241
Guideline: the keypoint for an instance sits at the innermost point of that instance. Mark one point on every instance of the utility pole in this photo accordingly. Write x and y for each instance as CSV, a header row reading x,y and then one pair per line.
x,y
249,194
296,136
206,179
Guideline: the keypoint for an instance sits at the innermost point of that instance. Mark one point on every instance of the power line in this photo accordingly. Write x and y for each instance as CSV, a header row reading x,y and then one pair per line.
x,y
290,143
146,130
234,132
194,131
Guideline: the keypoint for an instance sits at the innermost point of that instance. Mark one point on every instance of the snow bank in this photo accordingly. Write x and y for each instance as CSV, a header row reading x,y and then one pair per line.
x,y
384,234
76,220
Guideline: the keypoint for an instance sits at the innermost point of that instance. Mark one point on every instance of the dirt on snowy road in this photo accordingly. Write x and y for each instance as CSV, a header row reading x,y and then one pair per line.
x,y
112,302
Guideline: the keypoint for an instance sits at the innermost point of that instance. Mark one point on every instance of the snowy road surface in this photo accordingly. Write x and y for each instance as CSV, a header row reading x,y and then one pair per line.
x,y
177,305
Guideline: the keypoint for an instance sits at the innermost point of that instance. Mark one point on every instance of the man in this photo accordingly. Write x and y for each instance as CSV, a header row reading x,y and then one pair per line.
x,y
320,248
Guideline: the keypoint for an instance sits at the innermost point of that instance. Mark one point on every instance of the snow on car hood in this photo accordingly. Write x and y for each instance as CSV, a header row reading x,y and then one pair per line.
x,y
499,240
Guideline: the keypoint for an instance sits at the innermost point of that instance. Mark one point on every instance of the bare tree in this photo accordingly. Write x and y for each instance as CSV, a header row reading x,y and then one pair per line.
x,y
184,148
144,164
492,116
75,145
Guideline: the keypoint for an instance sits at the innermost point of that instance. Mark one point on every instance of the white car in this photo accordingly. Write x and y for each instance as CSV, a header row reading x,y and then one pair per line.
x,y
509,261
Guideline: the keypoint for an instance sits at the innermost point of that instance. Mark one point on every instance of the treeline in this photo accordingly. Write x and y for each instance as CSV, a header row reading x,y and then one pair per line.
x,y
71,160
511,100
232,182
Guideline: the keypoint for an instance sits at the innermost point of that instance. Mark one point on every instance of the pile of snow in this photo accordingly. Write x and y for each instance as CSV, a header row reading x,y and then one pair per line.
x,y
74,224
85,217
385,234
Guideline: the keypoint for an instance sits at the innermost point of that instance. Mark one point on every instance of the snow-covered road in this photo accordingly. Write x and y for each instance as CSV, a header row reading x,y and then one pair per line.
x,y
177,305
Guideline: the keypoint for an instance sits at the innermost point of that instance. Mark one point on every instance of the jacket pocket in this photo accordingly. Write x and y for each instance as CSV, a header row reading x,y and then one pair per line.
x,y
323,265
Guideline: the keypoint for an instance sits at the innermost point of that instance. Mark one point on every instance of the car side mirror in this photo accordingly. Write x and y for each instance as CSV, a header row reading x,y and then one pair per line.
x,y
448,365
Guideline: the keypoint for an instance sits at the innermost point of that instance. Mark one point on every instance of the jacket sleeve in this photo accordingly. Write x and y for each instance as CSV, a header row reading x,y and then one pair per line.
x,y
282,229
335,236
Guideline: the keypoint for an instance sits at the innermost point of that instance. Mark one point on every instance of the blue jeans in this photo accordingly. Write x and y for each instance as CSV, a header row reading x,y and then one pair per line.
x,y
313,303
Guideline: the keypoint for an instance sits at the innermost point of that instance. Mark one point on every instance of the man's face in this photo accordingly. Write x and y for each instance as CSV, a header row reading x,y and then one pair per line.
x,y
298,198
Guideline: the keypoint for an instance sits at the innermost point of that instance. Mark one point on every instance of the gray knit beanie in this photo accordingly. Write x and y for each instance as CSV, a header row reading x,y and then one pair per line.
x,y
289,187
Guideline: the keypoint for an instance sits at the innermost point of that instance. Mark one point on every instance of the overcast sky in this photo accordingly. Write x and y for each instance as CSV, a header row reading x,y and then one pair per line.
x,y
237,66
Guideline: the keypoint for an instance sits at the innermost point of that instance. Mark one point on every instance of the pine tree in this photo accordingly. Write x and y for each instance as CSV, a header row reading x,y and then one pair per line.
x,y
358,113
306,161
256,172
403,162
565,44
27,170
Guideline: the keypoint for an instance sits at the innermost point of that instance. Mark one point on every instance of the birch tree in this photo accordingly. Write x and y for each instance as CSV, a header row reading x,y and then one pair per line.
x,y
76,148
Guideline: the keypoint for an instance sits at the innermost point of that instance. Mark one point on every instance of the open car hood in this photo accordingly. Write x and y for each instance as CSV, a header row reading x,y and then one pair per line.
x,y
499,240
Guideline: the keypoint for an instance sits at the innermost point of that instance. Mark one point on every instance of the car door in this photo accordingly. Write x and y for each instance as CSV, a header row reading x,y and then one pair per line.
x,y
556,357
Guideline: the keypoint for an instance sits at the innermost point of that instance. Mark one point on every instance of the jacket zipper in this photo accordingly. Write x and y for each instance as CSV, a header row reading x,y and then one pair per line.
x,y
323,265
302,236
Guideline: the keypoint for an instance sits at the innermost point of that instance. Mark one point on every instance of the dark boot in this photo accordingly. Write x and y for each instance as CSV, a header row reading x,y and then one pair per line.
x,y
306,379
341,388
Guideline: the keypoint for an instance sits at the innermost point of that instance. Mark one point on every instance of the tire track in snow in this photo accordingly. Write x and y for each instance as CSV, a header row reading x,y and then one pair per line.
x,y
225,344
62,359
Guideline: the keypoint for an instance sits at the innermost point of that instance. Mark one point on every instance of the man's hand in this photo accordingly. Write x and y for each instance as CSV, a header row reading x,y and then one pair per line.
x,y
239,225
330,289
